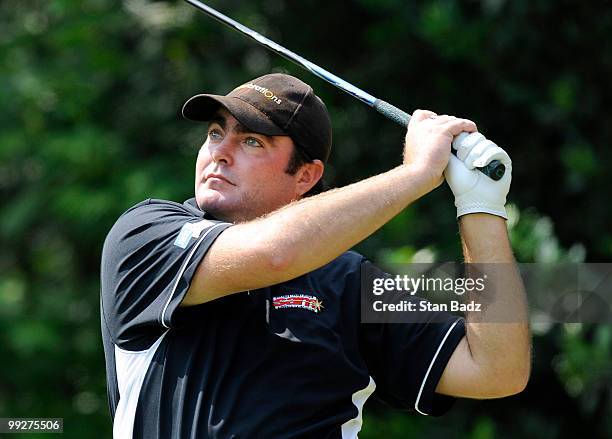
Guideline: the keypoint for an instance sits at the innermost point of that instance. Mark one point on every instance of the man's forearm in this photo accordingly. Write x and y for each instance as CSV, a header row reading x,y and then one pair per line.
x,y
498,336
308,233
303,235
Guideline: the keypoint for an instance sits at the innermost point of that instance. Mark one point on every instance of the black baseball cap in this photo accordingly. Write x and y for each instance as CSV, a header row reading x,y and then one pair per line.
x,y
273,105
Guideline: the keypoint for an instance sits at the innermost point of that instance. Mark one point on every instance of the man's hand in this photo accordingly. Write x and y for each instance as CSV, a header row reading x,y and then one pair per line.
x,y
475,192
428,142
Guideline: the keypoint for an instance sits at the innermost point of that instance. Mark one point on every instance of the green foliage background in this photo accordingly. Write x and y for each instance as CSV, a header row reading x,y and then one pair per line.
x,y
89,125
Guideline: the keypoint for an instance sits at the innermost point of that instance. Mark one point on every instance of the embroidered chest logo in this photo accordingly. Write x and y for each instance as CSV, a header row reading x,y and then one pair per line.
x,y
310,303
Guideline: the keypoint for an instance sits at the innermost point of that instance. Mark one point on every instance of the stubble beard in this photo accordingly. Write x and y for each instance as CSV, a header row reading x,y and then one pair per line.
x,y
230,210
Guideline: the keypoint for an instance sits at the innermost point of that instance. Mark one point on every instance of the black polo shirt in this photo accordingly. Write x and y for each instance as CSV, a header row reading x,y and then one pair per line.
x,y
287,361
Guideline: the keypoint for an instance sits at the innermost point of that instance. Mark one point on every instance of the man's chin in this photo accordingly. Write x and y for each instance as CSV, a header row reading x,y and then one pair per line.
x,y
214,203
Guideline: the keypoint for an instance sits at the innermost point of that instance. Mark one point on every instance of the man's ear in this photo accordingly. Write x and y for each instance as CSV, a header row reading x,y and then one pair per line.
x,y
308,175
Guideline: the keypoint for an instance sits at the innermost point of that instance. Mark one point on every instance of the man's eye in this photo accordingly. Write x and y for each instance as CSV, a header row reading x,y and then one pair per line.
x,y
214,134
252,141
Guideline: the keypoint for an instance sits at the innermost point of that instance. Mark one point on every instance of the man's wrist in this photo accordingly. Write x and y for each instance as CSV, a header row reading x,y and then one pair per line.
x,y
476,220
422,178
485,238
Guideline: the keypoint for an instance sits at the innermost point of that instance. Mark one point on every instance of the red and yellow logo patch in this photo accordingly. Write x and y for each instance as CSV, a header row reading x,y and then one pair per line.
x,y
310,303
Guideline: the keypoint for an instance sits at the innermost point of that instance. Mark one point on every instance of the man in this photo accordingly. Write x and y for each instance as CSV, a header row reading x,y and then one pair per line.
x,y
237,313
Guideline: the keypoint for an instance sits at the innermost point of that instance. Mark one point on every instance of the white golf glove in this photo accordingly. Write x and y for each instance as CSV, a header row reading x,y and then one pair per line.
x,y
475,192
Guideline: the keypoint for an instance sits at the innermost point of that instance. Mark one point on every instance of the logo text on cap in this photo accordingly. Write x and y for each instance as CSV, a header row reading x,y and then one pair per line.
x,y
263,90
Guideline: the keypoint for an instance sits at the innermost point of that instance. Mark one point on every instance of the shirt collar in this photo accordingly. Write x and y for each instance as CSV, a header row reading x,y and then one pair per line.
x,y
192,205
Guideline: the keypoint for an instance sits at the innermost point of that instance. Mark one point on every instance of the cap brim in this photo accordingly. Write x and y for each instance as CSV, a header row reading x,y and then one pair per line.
x,y
201,108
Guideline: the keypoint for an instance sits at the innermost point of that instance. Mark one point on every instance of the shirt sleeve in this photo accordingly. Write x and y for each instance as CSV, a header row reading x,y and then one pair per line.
x,y
148,260
406,360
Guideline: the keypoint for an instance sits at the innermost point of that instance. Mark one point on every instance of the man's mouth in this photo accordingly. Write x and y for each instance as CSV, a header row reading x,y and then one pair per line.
x,y
217,177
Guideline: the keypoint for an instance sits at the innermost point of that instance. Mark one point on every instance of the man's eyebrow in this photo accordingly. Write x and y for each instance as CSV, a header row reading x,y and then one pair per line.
x,y
241,129
221,121
218,119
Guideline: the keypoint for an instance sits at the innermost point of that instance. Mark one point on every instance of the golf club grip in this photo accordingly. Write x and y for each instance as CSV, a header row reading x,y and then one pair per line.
x,y
494,170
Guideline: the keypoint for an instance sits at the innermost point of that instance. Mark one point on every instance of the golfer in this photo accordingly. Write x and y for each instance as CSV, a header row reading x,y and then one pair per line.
x,y
236,314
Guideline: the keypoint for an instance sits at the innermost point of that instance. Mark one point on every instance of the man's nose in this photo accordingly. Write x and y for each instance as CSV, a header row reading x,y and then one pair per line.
x,y
223,152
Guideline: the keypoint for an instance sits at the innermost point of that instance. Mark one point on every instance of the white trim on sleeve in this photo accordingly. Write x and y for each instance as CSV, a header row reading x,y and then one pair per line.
x,y
182,270
433,360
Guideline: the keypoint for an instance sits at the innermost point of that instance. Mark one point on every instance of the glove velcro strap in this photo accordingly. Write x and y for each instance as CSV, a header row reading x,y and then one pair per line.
x,y
481,208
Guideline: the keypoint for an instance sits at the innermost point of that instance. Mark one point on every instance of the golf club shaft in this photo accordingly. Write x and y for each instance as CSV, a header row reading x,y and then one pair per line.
x,y
495,169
